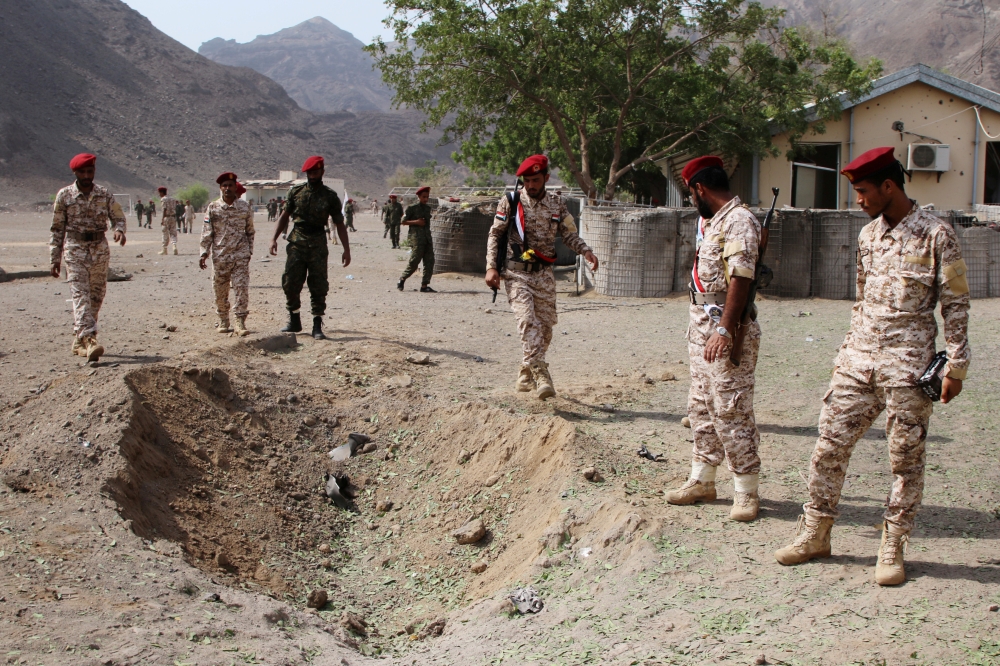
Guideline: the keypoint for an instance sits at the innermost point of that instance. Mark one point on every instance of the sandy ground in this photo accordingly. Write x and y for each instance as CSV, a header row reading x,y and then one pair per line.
x,y
202,476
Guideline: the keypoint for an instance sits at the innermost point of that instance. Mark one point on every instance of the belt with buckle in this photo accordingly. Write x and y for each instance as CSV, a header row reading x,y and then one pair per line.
x,y
86,236
526,266
708,298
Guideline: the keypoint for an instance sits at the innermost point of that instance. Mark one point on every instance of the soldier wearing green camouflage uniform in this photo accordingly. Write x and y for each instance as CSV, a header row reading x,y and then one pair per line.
x,y
309,206
385,216
418,218
394,219
908,261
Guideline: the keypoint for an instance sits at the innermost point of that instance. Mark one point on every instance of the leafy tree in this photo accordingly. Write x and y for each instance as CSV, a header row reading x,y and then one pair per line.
x,y
609,86
429,174
197,194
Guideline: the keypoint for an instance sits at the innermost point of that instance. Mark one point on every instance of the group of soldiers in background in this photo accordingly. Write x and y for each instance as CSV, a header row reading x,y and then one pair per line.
x,y
274,208
183,213
908,261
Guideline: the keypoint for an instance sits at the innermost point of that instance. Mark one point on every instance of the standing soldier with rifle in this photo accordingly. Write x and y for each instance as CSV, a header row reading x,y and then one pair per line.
x,y
720,401
522,251
908,260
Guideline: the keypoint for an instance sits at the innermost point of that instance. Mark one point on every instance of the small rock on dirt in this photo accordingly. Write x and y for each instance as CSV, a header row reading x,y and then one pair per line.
x,y
324,548
506,607
686,422
761,659
463,457
667,376
591,474
317,599
433,628
211,597
471,532
383,506
222,560
994,608
292,398
309,421
172,328
400,381
354,624
370,447
492,481
478,567
419,358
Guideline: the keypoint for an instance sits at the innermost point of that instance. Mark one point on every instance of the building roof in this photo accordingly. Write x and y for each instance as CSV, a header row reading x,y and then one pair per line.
x,y
921,73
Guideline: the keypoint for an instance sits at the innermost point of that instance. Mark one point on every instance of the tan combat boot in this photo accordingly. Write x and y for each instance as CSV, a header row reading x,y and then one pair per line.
x,y
78,348
175,249
812,540
746,501
525,381
889,567
241,327
543,380
93,351
224,326
692,491
163,251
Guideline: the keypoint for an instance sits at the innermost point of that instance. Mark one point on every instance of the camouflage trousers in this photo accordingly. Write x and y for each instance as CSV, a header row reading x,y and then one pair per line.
x,y
720,407
394,233
87,273
235,272
306,263
421,249
169,226
849,408
532,297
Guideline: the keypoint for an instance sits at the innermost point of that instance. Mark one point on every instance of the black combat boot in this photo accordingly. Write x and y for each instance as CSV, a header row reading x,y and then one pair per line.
x,y
399,285
427,289
294,323
318,328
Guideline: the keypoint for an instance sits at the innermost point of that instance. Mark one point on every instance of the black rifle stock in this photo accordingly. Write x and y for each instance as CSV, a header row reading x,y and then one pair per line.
x,y
501,258
762,277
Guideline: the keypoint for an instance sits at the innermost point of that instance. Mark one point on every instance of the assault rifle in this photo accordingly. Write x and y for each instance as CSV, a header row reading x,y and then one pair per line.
x,y
501,258
762,277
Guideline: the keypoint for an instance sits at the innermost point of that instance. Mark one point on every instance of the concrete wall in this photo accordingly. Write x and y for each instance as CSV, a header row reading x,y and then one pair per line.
x,y
924,110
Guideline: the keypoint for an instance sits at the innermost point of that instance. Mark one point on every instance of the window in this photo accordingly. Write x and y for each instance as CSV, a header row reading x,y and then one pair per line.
x,y
816,176
991,191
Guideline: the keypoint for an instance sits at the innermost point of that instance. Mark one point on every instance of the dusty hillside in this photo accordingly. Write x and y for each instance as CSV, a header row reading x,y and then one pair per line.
x,y
96,75
946,35
321,66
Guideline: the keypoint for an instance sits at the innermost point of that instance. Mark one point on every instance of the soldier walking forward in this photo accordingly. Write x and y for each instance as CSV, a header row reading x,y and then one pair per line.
x,y
228,233
139,209
168,222
150,212
908,260
393,219
418,218
349,214
720,400
384,214
309,206
528,279
80,219
189,215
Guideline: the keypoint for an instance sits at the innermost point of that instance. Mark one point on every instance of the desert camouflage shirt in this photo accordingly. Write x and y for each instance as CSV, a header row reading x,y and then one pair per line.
x,y
728,249
543,220
312,205
169,207
228,230
902,274
77,212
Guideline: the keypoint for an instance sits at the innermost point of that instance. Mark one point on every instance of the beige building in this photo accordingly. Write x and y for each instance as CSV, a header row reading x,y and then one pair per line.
x,y
929,117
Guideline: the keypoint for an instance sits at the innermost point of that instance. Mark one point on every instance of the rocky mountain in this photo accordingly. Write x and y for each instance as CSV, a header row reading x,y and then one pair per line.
x,y
320,66
945,34
95,75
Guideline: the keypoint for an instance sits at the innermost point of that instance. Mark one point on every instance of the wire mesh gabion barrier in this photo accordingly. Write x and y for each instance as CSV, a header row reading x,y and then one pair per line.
x,y
460,238
813,253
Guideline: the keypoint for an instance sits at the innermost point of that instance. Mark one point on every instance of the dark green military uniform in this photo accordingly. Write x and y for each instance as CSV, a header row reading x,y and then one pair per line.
x,y
393,220
309,206
385,219
139,210
421,245
349,215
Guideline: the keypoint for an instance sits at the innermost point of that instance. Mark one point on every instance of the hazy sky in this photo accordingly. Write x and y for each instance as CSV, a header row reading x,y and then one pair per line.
x,y
192,22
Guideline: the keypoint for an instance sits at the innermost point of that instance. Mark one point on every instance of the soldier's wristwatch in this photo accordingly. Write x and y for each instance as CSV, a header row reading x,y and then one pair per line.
x,y
721,330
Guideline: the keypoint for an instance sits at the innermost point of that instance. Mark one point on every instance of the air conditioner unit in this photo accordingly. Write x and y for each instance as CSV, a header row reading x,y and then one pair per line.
x,y
928,157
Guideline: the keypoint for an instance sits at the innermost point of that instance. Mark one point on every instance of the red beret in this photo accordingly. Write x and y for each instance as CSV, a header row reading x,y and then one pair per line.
x,y
229,175
240,190
532,165
392,196
82,160
161,189
425,188
699,164
868,163
312,163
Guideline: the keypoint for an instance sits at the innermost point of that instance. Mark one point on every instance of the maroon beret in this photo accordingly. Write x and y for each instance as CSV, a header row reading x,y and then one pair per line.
x,y
392,196
699,164
425,188
240,190
82,160
314,162
532,165
161,189
229,175
868,163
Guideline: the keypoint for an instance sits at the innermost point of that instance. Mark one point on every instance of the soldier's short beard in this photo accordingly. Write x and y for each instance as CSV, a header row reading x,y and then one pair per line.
x,y
314,181
84,182
703,208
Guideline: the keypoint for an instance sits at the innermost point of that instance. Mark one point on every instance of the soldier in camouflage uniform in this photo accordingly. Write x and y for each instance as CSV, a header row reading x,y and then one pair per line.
x,y
528,278
907,261
139,209
168,222
349,214
385,215
311,206
150,212
228,233
418,219
394,219
720,399
80,220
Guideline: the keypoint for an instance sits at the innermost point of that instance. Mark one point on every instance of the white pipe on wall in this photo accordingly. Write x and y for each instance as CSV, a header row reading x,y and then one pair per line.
x,y
975,167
